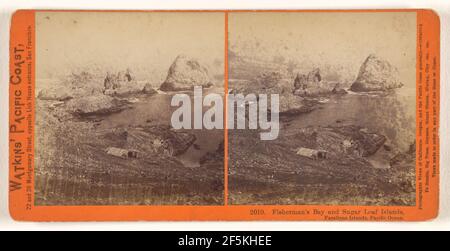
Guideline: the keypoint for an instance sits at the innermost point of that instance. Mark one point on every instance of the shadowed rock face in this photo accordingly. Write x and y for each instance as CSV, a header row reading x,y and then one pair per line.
x,y
376,74
184,74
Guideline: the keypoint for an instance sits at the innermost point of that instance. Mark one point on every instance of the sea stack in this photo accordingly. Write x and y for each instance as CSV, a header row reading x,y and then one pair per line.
x,y
184,74
376,74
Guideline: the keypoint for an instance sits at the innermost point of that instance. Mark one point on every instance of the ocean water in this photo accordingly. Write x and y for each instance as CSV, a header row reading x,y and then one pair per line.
x,y
390,114
156,110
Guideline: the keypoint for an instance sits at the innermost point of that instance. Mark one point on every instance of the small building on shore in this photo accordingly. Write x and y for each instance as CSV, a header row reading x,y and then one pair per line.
x,y
122,153
312,153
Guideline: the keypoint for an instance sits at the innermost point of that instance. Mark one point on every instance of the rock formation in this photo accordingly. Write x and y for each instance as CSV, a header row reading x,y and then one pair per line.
x,y
312,85
276,83
148,89
376,74
121,84
184,74
125,91
338,90
95,105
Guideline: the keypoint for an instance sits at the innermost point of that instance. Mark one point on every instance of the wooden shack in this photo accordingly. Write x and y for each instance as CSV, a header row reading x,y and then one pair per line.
x,y
312,153
122,153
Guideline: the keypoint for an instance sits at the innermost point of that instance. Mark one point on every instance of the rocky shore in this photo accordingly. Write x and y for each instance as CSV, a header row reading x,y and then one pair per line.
x,y
333,163
277,172
81,162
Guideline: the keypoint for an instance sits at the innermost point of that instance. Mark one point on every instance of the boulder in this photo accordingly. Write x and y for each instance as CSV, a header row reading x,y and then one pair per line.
x,y
376,74
184,74
59,94
95,105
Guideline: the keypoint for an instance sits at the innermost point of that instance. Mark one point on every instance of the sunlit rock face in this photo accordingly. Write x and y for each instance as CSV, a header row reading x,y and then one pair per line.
x,y
376,74
184,74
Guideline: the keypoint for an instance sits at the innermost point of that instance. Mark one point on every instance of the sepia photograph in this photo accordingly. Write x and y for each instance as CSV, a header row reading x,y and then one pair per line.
x,y
230,123
346,88
105,84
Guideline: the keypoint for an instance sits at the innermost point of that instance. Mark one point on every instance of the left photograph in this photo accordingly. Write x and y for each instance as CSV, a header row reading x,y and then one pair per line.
x,y
105,88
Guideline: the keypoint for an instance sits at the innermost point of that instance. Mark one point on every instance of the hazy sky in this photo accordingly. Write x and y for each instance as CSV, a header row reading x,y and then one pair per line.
x,y
149,42
145,42
343,40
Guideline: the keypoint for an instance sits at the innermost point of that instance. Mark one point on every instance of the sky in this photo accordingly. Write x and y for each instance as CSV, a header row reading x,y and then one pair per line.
x,y
147,43
341,40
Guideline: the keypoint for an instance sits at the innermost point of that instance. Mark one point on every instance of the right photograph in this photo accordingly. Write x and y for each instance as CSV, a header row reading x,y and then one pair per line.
x,y
346,86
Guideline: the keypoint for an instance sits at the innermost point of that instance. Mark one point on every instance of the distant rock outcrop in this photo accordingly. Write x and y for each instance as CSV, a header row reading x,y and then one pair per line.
x,y
376,74
184,74
312,85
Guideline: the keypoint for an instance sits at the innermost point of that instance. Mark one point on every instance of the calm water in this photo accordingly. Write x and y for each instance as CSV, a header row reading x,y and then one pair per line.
x,y
392,115
156,110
